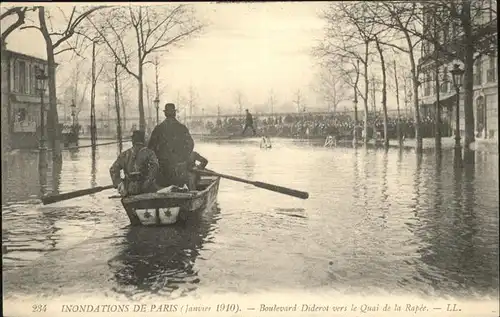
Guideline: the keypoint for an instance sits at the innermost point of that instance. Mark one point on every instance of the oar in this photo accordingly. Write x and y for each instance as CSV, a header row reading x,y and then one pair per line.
x,y
50,199
271,187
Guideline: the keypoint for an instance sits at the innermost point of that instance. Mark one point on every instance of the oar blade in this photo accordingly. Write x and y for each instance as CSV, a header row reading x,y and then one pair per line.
x,y
50,199
282,190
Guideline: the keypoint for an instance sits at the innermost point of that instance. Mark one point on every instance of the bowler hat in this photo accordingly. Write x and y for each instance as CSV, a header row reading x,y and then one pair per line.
x,y
169,107
138,136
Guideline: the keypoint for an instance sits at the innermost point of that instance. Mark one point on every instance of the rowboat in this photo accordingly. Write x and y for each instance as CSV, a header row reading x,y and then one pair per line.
x,y
166,208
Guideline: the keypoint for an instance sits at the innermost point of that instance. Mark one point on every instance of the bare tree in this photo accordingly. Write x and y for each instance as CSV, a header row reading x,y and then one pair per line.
x,y
272,101
398,122
75,88
352,44
191,101
298,100
401,17
21,17
331,86
152,29
117,103
95,73
57,42
239,101
384,89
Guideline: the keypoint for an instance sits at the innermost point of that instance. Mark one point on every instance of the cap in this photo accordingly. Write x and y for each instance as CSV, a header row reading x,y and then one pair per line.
x,y
138,136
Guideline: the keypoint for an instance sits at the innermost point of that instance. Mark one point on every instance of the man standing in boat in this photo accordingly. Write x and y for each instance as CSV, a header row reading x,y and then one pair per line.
x,y
172,143
140,167
248,123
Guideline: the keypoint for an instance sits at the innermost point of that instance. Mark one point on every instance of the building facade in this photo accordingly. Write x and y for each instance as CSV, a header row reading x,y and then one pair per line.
x,y
21,100
485,78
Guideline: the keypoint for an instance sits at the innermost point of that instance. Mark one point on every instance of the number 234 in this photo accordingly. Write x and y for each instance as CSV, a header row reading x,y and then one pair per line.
x,y
39,308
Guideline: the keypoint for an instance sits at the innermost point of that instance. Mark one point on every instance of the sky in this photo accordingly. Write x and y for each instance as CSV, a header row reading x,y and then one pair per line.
x,y
252,48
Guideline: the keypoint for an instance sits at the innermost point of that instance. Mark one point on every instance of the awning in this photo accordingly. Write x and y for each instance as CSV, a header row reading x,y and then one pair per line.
x,y
449,101
446,102
25,99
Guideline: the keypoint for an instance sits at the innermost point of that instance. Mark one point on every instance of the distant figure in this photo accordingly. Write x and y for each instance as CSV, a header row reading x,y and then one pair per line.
x,y
265,143
248,123
173,145
331,140
140,167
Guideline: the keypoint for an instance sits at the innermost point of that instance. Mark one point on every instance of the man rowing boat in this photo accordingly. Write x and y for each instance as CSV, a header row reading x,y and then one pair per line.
x,y
194,178
172,143
140,167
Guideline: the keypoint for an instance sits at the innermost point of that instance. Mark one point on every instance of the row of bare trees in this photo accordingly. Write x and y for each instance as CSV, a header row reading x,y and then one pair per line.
x,y
122,40
363,36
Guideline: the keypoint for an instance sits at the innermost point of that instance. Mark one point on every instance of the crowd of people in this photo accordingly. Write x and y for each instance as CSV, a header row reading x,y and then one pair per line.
x,y
321,126
168,160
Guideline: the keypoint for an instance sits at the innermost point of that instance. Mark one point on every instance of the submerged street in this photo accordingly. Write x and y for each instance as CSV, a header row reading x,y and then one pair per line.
x,y
376,222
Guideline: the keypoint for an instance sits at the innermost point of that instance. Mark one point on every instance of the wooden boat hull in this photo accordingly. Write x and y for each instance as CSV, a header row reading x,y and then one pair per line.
x,y
160,209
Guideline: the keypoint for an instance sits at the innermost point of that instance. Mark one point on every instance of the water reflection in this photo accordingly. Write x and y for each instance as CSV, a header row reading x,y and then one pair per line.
x,y
249,162
56,176
441,234
93,168
42,174
19,181
438,183
357,178
161,260
448,228
385,187
73,153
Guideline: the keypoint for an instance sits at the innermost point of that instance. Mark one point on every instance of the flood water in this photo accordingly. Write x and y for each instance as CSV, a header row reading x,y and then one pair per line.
x,y
376,223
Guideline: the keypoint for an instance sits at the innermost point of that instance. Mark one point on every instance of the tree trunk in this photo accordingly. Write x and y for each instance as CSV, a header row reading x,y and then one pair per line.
x,y
398,121
356,119
93,126
437,115
468,75
365,125
415,84
437,110
124,108
142,120
384,93
53,130
117,107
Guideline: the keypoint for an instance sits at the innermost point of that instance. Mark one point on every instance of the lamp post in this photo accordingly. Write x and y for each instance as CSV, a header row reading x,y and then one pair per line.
x,y
202,120
73,112
41,81
157,105
457,74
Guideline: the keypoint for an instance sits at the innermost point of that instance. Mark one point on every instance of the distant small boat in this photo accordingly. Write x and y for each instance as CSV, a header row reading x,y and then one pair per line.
x,y
159,209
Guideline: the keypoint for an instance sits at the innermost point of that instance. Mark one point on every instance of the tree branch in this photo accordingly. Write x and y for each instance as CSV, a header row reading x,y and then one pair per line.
x,y
21,15
70,30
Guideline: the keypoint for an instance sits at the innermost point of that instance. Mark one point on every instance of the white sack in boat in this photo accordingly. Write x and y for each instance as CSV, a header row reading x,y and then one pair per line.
x,y
173,189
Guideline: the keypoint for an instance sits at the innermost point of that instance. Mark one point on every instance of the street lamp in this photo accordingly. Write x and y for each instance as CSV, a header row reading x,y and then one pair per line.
x,y
157,105
202,120
41,82
457,74
73,111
